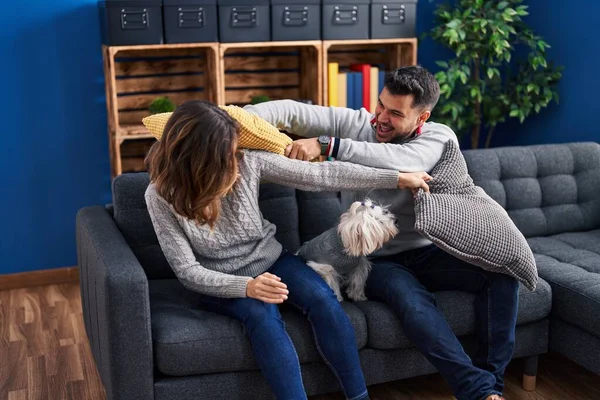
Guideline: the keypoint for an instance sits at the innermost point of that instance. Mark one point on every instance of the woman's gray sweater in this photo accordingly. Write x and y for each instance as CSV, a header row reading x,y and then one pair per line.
x,y
242,245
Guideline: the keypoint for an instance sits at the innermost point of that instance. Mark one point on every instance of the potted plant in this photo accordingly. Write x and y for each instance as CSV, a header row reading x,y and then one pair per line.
x,y
484,84
261,98
161,105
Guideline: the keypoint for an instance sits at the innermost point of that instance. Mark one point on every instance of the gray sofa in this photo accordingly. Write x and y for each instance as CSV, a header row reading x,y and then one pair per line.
x,y
150,340
552,193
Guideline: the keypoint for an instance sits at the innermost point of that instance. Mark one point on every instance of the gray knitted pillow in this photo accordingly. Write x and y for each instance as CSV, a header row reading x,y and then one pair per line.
x,y
464,221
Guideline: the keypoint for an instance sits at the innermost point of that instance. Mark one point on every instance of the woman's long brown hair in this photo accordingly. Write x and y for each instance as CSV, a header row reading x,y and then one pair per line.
x,y
195,163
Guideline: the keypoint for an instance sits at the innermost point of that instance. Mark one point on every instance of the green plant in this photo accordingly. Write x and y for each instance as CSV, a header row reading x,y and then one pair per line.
x,y
259,99
480,86
161,105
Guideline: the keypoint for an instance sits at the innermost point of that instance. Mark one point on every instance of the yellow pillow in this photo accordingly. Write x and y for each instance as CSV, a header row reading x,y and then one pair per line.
x,y
255,132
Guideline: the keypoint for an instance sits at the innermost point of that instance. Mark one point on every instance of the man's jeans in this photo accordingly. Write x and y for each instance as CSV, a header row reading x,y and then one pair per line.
x,y
406,281
273,348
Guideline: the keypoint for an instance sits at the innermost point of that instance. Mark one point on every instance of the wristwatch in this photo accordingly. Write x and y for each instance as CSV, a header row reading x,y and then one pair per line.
x,y
324,142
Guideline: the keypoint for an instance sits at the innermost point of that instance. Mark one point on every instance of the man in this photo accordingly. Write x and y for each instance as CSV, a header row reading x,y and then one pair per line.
x,y
410,268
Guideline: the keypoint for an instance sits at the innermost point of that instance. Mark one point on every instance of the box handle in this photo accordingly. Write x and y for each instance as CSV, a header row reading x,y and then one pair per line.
x,y
244,17
190,17
134,18
391,15
345,15
295,16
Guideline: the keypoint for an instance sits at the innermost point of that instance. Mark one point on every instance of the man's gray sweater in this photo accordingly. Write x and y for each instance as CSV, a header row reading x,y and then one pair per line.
x,y
358,144
242,245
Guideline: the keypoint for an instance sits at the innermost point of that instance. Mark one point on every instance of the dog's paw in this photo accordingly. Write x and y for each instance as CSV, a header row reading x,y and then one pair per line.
x,y
359,298
356,296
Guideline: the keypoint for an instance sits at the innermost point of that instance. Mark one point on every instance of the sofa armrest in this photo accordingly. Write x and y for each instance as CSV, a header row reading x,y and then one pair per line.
x,y
116,306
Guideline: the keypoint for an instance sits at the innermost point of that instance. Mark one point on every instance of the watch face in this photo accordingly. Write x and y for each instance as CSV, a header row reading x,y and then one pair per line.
x,y
324,139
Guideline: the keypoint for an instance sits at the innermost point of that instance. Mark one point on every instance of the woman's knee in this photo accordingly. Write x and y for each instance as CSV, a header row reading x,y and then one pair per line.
x,y
259,314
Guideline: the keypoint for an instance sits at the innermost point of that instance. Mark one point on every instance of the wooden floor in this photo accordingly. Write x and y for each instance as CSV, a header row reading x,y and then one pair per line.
x,y
44,354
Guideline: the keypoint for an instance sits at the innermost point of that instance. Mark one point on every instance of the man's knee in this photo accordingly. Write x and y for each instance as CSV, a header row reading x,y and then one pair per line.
x,y
399,284
413,307
508,285
323,300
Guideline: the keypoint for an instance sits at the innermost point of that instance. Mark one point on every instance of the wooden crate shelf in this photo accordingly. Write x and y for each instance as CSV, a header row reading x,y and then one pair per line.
x,y
223,73
133,153
280,70
136,75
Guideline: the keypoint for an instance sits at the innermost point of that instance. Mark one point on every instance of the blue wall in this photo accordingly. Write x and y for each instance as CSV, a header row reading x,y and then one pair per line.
x,y
572,31
54,144
54,148
571,28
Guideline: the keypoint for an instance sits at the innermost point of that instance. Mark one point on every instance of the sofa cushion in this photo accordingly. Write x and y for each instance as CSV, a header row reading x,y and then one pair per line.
x,y
463,220
546,189
133,220
318,211
188,340
570,262
255,132
385,331
278,206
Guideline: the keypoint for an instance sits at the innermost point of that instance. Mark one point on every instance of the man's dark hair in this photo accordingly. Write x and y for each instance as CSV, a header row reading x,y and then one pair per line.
x,y
417,81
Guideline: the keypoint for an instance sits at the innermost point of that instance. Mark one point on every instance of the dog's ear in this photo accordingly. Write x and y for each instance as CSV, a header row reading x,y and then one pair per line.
x,y
388,224
349,230
363,233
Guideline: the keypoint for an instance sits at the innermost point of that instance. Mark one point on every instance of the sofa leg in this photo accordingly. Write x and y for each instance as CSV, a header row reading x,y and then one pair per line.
x,y
530,367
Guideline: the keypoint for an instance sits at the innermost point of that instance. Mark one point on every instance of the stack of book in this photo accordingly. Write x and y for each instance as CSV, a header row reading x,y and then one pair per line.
x,y
355,87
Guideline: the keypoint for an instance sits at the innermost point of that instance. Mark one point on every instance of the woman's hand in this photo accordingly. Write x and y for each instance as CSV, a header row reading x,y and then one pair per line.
x,y
303,149
414,181
268,288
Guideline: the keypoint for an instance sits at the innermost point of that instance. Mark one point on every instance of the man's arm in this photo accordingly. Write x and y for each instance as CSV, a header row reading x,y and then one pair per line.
x,y
419,154
312,121
354,138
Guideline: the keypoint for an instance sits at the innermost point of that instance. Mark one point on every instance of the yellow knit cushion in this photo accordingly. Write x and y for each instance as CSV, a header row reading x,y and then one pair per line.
x,y
156,123
255,132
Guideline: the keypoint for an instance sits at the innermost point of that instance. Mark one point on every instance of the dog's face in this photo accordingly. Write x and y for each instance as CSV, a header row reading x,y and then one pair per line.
x,y
366,227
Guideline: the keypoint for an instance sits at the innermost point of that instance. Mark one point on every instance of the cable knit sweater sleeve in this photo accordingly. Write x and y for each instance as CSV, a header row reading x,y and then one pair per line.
x,y
176,248
317,176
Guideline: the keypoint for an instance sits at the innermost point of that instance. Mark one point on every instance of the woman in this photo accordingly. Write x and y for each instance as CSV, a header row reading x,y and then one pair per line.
x,y
203,201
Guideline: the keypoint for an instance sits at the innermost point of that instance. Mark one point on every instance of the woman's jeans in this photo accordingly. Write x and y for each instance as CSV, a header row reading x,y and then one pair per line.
x,y
406,281
271,345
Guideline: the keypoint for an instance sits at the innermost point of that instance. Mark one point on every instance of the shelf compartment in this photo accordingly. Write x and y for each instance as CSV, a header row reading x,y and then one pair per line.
x,y
387,54
279,70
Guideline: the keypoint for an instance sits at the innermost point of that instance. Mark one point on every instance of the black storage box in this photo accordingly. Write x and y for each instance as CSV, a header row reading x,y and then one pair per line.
x,y
126,22
393,19
345,19
295,20
244,21
188,21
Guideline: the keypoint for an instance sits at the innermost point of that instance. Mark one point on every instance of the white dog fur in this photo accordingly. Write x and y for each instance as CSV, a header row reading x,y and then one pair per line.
x,y
339,254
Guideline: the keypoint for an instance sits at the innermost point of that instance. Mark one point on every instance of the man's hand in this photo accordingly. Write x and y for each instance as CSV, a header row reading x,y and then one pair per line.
x,y
304,149
414,181
268,288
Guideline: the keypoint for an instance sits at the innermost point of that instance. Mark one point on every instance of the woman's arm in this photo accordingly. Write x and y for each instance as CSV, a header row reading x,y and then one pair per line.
x,y
179,254
315,176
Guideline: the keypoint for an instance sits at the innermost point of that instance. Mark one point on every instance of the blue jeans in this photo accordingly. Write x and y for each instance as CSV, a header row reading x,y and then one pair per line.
x,y
406,281
272,347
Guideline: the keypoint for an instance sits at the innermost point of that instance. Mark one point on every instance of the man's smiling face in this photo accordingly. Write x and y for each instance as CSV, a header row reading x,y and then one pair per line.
x,y
396,117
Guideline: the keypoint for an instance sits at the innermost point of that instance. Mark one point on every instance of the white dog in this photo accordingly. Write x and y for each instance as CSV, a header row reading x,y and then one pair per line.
x,y
339,254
